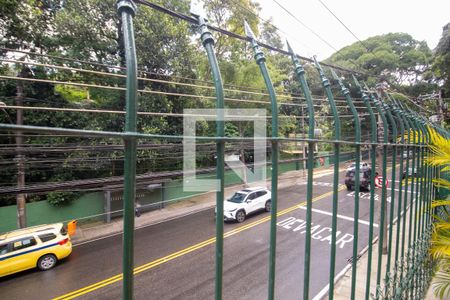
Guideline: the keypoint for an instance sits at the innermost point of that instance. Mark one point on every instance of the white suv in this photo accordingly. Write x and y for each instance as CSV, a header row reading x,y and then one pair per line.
x,y
245,202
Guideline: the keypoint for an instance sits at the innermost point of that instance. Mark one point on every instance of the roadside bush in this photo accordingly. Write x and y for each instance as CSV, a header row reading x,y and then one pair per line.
x,y
61,198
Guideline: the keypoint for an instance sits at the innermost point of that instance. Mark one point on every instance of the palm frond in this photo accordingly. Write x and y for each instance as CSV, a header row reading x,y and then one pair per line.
x,y
442,226
436,203
440,244
441,183
414,135
441,285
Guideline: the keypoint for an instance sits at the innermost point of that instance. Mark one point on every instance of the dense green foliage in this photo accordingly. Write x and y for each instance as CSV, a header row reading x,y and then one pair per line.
x,y
396,58
441,61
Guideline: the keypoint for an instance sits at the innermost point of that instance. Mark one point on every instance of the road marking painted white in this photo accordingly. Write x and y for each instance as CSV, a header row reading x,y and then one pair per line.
x,y
315,231
340,216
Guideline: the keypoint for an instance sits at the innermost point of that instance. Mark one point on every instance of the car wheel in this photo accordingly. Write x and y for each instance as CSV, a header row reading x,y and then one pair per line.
x,y
240,216
47,262
268,205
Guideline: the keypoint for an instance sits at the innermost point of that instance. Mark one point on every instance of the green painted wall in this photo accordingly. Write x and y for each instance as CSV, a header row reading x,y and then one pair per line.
x,y
42,212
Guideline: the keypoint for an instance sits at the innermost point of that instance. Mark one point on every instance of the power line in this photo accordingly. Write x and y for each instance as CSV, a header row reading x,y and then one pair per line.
x,y
235,35
246,39
345,26
322,39
272,25
108,87
116,67
177,115
139,78
306,26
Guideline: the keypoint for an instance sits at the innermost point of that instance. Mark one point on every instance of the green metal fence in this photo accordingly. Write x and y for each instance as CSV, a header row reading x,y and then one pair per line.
x,y
407,264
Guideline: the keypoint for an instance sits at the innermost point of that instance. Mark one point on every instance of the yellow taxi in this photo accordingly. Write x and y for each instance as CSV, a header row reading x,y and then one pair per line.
x,y
39,246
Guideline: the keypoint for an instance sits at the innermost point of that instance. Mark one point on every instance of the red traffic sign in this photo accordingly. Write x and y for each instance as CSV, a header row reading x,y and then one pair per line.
x,y
379,181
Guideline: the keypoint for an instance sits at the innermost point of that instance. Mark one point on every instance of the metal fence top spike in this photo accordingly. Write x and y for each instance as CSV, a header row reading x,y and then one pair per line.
x,y
248,31
290,50
335,76
318,66
315,61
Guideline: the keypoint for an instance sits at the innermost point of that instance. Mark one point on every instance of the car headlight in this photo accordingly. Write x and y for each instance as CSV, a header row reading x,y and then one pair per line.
x,y
231,210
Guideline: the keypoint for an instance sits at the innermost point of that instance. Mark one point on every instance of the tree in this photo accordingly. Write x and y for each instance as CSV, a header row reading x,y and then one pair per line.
x,y
441,61
394,57
90,30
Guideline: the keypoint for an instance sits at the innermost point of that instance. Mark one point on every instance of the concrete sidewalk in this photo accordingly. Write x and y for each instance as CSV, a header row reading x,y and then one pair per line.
x,y
343,280
97,230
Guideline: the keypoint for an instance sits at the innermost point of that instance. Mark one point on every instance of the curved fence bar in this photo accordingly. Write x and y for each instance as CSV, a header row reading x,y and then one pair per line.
x,y
383,209
391,119
346,93
400,213
300,74
126,10
260,60
337,136
208,43
373,131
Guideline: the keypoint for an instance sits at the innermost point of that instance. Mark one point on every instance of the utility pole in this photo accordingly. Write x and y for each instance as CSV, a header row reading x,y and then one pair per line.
x,y
20,198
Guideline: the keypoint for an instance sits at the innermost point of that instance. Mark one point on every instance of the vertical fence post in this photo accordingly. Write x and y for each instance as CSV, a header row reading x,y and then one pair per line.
x,y
383,224
411,250
300,73
418,237
398,264
346,93
260,60
403,276
337,137
126,10
424,211
391,210
208,44
373,139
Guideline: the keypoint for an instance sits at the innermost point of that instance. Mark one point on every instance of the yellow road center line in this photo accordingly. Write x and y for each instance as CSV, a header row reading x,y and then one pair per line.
x,y
165,259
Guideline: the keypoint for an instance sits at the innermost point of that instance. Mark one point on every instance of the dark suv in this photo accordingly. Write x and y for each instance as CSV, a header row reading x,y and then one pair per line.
x,y
364,178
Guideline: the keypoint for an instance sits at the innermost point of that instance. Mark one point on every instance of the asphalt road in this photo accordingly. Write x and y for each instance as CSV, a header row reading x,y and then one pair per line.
x,y
175,259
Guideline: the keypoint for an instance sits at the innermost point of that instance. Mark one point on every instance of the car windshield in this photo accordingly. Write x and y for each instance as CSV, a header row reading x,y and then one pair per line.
x,y
237,198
